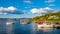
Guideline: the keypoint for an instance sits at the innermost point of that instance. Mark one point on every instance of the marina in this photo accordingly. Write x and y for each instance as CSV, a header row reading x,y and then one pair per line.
x,y
18,28
29,17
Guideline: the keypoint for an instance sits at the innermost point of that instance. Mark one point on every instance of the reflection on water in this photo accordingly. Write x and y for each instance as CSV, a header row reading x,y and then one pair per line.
x,y
46,29
9,29
34,28
18,28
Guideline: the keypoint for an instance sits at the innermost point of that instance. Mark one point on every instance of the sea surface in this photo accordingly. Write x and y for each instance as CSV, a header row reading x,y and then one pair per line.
x,y
18,28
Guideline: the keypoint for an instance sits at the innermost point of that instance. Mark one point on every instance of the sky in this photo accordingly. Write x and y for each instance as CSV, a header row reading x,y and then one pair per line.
x,y
27,8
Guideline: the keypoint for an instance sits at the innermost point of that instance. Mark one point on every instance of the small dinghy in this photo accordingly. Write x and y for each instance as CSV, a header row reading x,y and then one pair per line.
x,y
58,27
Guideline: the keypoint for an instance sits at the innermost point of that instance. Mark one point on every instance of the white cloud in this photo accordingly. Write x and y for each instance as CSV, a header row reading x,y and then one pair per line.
x,y
11,8
3,13
7,10
47,9
34,10
49,1
54,11
41,10
27,1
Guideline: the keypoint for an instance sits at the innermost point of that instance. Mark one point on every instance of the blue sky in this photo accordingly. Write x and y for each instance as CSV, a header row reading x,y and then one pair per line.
x,y
27,8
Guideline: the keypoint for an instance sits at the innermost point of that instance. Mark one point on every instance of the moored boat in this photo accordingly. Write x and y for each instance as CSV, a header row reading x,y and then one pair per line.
x,y
8,23
44,25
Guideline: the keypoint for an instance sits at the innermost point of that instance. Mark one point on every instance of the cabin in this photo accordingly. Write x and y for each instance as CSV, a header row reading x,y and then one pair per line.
x,y
44,25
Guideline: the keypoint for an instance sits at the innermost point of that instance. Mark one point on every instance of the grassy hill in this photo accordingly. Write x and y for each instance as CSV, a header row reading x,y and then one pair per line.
x,y
51,17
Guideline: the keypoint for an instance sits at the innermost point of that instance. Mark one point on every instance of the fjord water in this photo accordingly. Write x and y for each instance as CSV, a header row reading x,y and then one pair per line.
x,y
18,28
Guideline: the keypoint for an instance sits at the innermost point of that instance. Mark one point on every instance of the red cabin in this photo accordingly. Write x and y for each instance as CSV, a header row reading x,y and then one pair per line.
x,y
40,23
